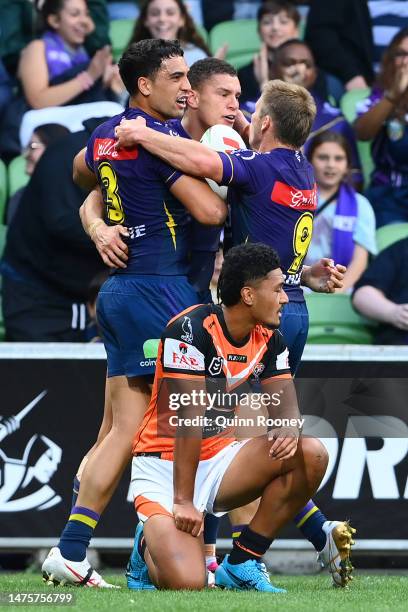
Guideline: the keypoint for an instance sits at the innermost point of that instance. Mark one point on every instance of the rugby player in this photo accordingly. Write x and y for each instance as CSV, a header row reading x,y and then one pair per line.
x,y
273,197
153,201
236,347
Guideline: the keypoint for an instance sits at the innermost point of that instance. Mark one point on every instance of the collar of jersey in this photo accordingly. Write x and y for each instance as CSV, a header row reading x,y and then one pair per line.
x,y
220,315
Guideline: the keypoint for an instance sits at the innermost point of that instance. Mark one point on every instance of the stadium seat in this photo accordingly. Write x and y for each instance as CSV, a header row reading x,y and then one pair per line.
x,y
17,176
348,105
3,190
120,32
332,320
241,37
388,234
3,231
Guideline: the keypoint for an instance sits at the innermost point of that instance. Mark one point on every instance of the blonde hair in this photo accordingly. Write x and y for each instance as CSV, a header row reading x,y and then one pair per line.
x,y
292,110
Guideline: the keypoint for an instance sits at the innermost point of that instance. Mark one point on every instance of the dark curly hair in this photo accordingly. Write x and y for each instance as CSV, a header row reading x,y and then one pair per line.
x,y
244,264
186,34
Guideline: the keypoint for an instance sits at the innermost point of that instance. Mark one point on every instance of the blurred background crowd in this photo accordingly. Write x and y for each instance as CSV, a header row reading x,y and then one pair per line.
x,y
59,77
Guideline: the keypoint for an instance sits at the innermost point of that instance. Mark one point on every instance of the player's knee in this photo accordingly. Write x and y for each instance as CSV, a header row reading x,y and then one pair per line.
x,y
184,579
315,455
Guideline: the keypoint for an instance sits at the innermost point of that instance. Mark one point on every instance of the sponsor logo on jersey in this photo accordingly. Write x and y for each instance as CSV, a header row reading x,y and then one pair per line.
x,y
239,358
187,334
180,356
104,148
215,366
292,197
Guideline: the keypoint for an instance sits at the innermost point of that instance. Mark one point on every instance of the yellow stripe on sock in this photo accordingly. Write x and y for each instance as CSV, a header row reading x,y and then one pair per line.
x,y
82,518
236,534
307,516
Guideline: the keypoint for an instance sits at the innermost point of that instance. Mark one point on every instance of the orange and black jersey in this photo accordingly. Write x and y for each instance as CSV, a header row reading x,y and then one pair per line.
x,y
196,346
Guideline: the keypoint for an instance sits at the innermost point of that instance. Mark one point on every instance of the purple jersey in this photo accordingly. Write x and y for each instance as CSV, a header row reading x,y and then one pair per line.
x,y
136,191
273,200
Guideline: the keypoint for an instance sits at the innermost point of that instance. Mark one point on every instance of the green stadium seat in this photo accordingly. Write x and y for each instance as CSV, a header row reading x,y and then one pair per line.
x,y
348,105
120,32
3,190
332,320
388,234
17,176
3,232
240,59
241,37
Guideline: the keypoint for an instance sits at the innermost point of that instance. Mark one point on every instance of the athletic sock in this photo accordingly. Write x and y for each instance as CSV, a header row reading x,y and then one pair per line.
x,y
75,491
310,522
249,545
237,529
78,532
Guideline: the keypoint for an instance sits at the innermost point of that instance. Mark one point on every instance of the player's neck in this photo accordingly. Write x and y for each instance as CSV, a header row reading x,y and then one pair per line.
x,y
238,325
269,143
193,127
143,103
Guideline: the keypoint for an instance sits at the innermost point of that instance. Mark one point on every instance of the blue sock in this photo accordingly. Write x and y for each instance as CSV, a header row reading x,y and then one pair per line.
x,y
310,522
78,532
75,491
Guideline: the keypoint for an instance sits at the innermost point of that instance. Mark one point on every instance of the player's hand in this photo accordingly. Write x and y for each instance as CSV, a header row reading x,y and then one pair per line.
x,y
241,125
188,518
129,132
399,316
284,442
109,243
324,276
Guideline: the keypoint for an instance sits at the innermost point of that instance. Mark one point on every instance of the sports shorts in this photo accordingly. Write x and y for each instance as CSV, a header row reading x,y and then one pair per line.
x,y
151,482
294,326
132,312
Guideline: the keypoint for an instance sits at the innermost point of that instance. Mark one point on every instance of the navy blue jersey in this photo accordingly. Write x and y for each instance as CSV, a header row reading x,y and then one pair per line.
x,y
136,191
273,200
205,240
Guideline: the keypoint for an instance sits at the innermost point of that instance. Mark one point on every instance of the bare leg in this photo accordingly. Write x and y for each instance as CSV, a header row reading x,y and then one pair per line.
x,y
175,559
129,397
284,486
244,515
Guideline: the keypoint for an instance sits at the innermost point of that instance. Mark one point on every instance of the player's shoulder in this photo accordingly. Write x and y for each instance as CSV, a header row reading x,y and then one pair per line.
x,y
188,322
107,127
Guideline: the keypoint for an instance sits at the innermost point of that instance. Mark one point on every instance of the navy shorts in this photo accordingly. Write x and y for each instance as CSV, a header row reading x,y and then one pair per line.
x,y
294,326
133,311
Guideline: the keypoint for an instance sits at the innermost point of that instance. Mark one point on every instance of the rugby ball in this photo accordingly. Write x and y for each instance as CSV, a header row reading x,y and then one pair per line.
x,y
224,139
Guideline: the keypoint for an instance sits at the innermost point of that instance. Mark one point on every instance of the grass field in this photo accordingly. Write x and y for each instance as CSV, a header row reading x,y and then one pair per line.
x,y
369,593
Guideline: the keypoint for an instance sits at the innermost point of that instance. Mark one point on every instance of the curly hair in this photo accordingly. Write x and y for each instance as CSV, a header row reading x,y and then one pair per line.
x,y
186,34
243,265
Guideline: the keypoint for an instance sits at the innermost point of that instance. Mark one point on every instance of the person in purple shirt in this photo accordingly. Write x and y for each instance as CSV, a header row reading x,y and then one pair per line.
x,y
152,200
272,194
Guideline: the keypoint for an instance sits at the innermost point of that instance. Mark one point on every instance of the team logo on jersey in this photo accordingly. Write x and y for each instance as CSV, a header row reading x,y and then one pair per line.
x,y
24,482
239,358
180,356
258,369
292,197
104,148
187,334
215,366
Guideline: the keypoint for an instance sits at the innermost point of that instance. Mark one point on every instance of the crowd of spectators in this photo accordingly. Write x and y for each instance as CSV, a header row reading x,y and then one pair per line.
x,y
57,53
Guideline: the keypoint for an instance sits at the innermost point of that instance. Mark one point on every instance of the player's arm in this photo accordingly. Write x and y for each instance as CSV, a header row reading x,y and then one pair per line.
x,y
323,276
107,239
202,203
189,156
82,175
187,450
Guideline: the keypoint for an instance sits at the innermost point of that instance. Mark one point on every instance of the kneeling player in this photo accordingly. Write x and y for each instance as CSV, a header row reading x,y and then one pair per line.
x,y
231,348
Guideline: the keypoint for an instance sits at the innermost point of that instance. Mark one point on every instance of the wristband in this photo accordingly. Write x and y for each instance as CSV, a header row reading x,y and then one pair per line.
x,y
92,227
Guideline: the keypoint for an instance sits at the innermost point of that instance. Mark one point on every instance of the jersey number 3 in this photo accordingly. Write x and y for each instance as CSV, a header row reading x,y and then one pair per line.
x,y
302,235
109,180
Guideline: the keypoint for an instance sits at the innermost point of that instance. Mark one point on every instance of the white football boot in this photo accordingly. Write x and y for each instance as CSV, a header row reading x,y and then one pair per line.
x,y
59,571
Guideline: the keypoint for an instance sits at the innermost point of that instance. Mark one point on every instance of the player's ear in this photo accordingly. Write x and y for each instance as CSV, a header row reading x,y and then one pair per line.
x,y
193,99
144,86
247,296
266,123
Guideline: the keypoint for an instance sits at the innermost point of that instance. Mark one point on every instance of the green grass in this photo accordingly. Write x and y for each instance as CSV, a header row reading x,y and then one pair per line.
x,y
373,593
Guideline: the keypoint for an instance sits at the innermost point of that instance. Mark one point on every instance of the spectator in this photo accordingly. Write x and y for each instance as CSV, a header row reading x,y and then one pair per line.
x,y
5,88
17,19
339,34
344,223
278,21
41,138
49,261
169,19
294,63
388,17
382,294
382,118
